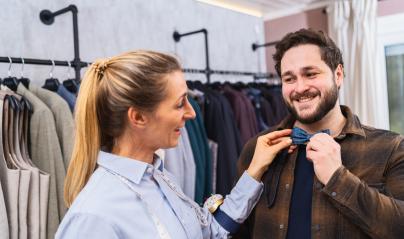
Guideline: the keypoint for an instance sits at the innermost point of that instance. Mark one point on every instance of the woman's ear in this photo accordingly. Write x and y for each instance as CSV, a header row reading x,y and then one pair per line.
x,y
137,118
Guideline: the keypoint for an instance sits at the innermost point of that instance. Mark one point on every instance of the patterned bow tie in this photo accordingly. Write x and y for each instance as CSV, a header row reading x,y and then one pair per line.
x,y
299,136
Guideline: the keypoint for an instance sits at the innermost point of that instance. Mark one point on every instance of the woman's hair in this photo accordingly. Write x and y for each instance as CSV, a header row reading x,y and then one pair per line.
x,y
109,88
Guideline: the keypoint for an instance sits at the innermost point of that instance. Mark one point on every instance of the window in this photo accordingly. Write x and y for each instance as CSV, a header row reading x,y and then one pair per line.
x,y
395,86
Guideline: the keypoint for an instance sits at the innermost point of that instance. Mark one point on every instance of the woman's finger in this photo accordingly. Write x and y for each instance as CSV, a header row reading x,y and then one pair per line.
x,y
281,145
276,134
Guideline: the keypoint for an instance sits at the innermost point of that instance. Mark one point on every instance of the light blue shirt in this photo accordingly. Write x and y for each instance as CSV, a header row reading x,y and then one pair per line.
x,y
108,208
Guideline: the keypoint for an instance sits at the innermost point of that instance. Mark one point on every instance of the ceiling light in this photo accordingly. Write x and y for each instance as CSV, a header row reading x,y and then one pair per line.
x,y
233,7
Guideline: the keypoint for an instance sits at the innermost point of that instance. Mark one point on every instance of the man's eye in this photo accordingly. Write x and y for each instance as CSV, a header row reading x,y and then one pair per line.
x,y
287,80
312,74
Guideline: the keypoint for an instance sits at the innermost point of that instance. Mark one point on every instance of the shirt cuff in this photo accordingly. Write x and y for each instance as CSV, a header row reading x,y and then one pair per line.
x,y
341,185
242,198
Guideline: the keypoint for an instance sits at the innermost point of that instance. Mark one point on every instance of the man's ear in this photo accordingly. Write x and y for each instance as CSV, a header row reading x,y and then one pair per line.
x,y
339,75
137,118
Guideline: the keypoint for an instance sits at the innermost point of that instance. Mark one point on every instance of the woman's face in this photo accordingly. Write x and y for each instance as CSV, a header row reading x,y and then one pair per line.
x,y
164,124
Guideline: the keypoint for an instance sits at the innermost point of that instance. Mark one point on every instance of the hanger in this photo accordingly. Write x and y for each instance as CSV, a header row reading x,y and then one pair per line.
x,y
10,81
25,81
51,83
70,84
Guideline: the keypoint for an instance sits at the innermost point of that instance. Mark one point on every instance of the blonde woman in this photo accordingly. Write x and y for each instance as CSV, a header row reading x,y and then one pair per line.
x,y
116,187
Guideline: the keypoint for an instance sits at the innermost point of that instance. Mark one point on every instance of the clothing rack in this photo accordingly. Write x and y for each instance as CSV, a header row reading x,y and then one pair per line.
x,y
48,17
256,75
255,46
208,71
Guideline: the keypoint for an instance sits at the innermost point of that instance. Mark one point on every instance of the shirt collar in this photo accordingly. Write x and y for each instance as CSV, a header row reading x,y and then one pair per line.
x,y
131,169
352,124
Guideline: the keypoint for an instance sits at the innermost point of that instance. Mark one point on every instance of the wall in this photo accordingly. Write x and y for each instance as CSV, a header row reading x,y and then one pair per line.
x,y
278,28
316,19
109,27
390,7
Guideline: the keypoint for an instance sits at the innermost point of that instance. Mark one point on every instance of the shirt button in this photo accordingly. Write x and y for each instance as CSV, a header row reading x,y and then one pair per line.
x,y
287,186
333,194
149,170
281,226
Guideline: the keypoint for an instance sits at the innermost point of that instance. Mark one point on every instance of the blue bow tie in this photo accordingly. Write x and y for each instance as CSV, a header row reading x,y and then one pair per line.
x,y
299,136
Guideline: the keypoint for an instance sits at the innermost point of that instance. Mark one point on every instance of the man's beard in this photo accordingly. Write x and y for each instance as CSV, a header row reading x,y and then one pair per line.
x,y
327,103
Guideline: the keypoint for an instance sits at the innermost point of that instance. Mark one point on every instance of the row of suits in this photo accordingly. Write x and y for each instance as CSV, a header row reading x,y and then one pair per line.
x,y
36,146
227,115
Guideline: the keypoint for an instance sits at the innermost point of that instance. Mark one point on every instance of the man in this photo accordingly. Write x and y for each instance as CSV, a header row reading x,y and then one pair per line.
x,y
347,182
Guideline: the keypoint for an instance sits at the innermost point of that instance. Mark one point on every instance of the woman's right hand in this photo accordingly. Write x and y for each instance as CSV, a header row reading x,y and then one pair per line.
x,y
268,146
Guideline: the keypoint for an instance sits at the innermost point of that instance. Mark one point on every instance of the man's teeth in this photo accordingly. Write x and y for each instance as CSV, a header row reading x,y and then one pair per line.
x,y
305,99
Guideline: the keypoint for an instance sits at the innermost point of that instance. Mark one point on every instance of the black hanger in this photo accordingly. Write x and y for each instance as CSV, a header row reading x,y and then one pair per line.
x,y
71,85
51,84
11,82
25,81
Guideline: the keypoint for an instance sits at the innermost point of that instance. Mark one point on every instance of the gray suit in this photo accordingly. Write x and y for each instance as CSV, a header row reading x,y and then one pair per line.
x,y
47,156
63,119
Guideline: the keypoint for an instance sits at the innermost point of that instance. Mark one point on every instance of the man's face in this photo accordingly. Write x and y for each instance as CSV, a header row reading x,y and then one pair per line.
x,y
309,87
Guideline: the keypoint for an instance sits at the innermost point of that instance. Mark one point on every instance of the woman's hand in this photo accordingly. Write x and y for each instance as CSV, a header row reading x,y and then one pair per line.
x,y
268,146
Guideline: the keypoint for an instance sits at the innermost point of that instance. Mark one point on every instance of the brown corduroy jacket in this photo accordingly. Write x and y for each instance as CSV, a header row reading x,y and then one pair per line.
x,y
363,199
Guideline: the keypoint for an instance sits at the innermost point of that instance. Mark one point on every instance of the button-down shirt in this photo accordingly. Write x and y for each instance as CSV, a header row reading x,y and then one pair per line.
x,y
108,208
363,199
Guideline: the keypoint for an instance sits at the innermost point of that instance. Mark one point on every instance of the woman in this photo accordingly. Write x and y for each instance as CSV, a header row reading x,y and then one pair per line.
x,y
116,187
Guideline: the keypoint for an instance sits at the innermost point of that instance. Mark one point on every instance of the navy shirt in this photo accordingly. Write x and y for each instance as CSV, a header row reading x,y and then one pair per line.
x,y
300,206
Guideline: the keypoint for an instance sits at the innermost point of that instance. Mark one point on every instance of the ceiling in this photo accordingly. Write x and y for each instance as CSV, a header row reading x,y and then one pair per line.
x,y
269,9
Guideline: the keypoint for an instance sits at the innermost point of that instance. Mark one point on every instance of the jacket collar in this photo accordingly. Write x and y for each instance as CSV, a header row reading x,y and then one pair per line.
x,y
131,169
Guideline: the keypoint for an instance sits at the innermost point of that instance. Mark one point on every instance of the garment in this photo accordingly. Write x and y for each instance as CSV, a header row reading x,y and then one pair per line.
x,y
68,96
299,225
200,150
63,119
213,150
46,154
363,199
243,111
179,161
108,208
221,128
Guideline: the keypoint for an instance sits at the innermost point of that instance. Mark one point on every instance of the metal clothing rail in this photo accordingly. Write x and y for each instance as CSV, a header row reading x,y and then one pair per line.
x,y
32,61
234,73
255,46
177,37
208,71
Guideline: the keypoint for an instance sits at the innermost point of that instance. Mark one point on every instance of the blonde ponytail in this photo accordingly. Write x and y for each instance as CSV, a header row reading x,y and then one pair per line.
x,y
87,136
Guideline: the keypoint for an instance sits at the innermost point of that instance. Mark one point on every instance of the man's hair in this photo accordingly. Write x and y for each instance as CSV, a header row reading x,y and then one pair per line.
x,y
330,53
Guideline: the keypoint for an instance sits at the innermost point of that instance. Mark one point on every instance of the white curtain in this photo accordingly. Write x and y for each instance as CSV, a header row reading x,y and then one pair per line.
x,y
352,25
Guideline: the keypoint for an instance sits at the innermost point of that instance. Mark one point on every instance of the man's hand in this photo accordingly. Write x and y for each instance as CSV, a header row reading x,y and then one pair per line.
x,y
325,154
